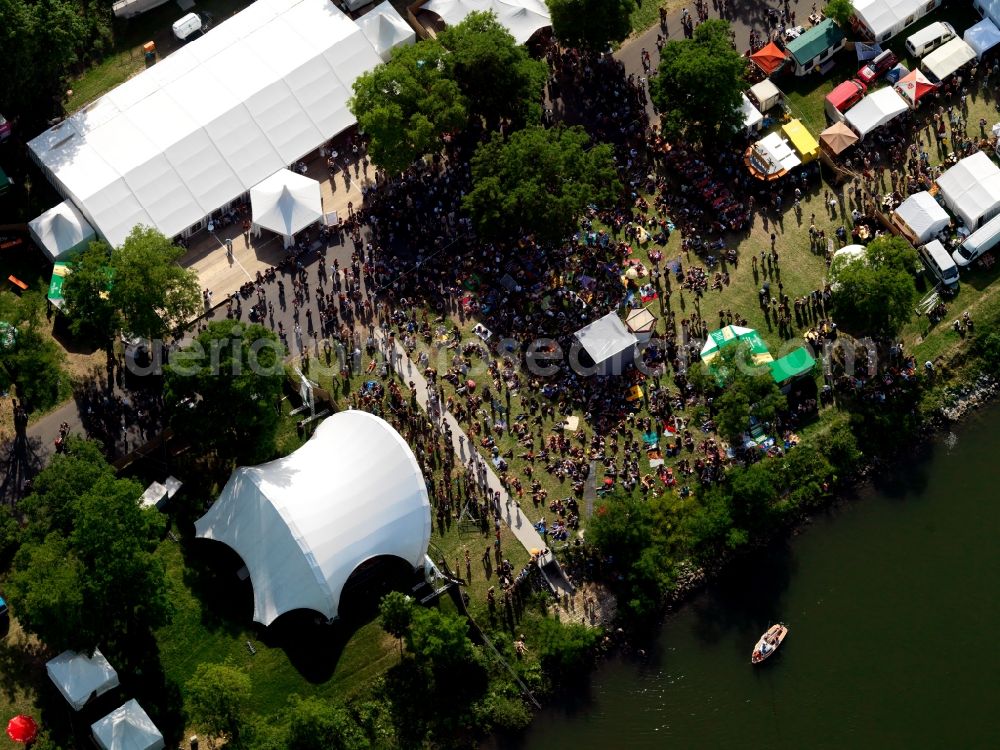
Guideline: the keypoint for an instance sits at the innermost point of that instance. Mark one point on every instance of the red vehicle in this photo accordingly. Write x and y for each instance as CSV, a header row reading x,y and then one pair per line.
x,y
877,66
846,95
5,128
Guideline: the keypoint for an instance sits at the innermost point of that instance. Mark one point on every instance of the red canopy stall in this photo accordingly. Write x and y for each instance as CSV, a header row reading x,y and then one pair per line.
x,y
769,58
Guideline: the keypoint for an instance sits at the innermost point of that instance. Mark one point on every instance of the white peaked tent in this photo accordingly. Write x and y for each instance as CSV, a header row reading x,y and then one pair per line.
x,y
303,523
80,678
875,110
971,189
286,203
886,18
752,118
61,230
194,132
982,37
127,728
608,343
920,217
522,18
386,29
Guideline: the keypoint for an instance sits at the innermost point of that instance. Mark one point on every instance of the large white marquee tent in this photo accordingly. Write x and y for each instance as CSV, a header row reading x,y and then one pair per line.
x,y
886,18
286,203
875,110
207,123
971,189
386,29
127,728
80,677
522,18
920,217
303,523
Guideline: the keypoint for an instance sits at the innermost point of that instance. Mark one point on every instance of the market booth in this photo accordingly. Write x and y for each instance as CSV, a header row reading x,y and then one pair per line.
x,y
641,323
770,158
875,110
920,217
947,59
971,189
914,86
982,37
769,58
286,203
838,138
80,677
386,29
606,345
883,19
752,118
802,140
765,94
127,728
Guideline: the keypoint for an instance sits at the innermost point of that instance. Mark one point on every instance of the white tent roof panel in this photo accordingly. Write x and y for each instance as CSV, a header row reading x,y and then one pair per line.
x,y
79,677
876,110
605,337
127,728
60,229
386,29
248,86
303,523
923,215
982,37
947,58
751,115
881,16
522,18
971,189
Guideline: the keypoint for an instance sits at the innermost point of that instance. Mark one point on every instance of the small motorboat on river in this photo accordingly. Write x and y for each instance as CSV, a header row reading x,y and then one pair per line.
x,y
768,643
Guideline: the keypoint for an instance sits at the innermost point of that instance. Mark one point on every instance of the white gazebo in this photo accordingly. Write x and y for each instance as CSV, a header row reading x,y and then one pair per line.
x,y
971,189
875,110
920,217
286,203
61,231
386,29
80,677
303,523
608,344
127,728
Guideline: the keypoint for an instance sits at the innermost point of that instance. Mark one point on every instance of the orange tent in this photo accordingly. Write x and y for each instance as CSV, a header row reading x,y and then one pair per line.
x,y
769,58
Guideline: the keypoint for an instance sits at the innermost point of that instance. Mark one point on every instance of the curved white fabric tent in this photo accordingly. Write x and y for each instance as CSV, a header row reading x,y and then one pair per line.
x,y
127,728
286,203
303,523
61,230
971,189
875,110
386,29
80,678
522,18
201,127
920,217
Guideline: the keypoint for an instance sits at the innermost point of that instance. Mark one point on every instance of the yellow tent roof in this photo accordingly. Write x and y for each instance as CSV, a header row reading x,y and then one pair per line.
x,y
801,139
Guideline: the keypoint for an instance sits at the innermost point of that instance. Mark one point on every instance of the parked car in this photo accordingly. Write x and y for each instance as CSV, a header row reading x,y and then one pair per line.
x,y
5,128
930,38
877,67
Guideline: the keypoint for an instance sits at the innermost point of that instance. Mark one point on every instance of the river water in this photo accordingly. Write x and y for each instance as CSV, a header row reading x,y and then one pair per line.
x,y
893,605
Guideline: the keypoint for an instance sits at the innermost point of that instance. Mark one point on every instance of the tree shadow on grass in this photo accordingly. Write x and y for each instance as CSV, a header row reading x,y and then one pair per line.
x,y
210,571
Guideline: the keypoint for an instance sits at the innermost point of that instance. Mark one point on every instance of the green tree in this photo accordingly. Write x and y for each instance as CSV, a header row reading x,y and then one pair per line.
x,y
754,491
439,639
842,449
86,290
319,725
750,391
698,85
840,11
216,699
498,78
805,470
539,181
875,293
566,649
406,105
222,390
33,364
395,615
590,24
152,293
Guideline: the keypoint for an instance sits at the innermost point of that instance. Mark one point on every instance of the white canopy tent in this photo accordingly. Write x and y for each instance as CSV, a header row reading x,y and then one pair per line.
x,y
988,9
608,343
875,110
778,152
127,728
766,94
303,523
971,189
61,230
522,18
204,125
946,59
982,37
886,18
752,118
286,203
80,678
920,217
386,29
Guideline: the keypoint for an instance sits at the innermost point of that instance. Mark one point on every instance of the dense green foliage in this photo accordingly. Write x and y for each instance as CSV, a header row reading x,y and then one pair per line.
x,y
318,725
698,84
85,574
217,696
42,43
590,24
498,78
395,615
566,649
874,294
539,182
33,364
86,291
222,390
840,11
749,392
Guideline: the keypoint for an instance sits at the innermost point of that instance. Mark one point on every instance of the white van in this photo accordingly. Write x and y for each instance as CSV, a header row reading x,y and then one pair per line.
x,y
978,243
939,263
930,38
188,28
